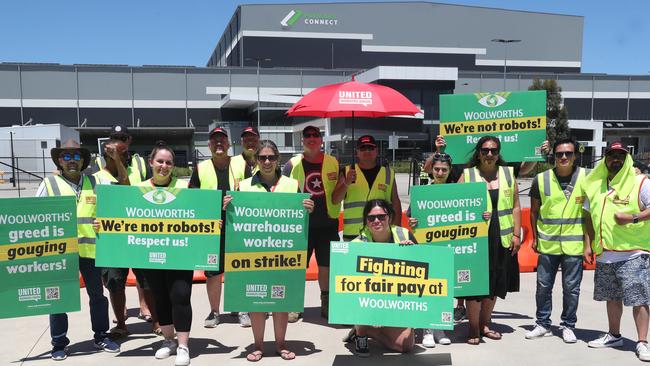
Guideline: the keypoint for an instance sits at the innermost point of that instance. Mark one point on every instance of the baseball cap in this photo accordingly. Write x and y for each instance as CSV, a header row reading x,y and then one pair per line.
x,y
119,132
310,129
218,130
251,130
616,145
366,140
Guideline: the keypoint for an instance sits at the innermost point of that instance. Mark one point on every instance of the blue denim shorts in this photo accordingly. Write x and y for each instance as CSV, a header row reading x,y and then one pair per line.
x,y
627,281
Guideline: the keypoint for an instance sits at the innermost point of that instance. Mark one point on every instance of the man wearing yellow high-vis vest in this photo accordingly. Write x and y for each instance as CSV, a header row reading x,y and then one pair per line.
x,y
375,182
250,138
317,173
218,173
71,159
618,202
136,167
556,217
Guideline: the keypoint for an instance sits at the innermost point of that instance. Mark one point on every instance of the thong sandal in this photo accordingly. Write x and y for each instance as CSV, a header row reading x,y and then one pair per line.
x,y
254,356
286,355
474,341
492,334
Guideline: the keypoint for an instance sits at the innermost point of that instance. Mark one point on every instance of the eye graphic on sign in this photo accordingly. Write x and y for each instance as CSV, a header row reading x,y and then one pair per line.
x,y
159,197
492,100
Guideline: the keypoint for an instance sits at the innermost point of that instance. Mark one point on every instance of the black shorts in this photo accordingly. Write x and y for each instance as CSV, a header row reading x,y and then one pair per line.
x,y
115,278
319,242
222,257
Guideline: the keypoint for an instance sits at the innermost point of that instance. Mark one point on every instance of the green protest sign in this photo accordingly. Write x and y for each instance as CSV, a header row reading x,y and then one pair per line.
x,y
266,252
451,215
391,285
160,228
39,257
518,119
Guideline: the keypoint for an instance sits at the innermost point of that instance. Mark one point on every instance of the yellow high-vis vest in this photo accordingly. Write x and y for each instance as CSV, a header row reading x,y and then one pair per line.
x,y
359,193
136,171
399,234
505,203
284,184
239,164
86,209
330,175
560,220
208,176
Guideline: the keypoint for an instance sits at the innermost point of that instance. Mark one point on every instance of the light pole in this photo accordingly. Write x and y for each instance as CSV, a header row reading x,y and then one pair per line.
x,y
258,60
505,55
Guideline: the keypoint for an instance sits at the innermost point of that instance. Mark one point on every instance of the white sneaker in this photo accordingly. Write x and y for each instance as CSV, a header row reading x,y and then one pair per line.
x,y
642,351
182,356
538,332
428,340
607,340
441,337
568,336
167,349
244,320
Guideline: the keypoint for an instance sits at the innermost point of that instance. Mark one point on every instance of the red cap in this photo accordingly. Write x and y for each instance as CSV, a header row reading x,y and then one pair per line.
x,y
218,130
250,129
616,145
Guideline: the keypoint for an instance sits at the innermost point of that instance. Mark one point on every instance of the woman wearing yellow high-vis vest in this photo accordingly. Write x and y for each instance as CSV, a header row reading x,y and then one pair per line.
x,y
377,216
556,217
504,240
269,179
71,159
172,289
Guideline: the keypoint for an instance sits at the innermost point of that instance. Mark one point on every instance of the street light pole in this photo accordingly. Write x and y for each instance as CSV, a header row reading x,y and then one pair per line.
x,y
505,55
258,60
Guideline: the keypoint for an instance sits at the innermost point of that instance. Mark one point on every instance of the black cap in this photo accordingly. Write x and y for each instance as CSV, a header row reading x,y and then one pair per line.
x,y
366,140
119,132
310,129
218,130
251,130
616,145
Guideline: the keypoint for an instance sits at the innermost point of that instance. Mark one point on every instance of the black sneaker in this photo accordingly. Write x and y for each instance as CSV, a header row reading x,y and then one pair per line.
x,y
351,336
361,346
459,313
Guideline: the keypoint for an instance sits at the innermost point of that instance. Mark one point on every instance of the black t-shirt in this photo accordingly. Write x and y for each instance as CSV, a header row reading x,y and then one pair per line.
x,y
314,185
564,182
371,174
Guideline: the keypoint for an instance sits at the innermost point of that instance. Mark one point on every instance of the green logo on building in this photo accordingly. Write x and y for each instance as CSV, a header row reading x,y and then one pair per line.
x,y
308,18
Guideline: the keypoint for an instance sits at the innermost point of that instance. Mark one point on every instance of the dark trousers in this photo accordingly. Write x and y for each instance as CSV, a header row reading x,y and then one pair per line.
x,y
98,306
172,290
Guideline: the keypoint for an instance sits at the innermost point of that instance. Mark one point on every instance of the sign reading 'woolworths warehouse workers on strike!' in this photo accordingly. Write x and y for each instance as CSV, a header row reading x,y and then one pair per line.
x,y
518,119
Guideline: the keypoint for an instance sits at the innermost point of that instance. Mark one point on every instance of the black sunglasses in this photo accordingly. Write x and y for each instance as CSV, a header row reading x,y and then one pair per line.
x,y
380,217
487,150
69,156
441,157
367,148
310,134
270,158
560,154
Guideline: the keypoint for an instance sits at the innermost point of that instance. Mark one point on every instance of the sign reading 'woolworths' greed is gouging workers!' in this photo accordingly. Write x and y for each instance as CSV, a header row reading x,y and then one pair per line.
x,y
517,119
161,228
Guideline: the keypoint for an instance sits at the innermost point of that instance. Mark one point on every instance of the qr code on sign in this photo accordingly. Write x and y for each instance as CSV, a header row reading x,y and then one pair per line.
x,y
463,276
52,293
538,150
212,259
277,292
446,317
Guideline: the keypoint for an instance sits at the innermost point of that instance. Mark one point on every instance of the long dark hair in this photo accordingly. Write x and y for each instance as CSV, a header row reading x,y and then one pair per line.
x,y
475,160
271,145
387,207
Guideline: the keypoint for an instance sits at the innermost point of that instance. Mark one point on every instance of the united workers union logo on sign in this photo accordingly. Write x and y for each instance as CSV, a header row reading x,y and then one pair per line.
x,y
363,98
29,294
256,290
308,18
159,196
492,100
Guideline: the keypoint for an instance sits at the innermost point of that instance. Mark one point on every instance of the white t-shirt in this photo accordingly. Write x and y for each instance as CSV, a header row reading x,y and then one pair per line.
x,y
609,256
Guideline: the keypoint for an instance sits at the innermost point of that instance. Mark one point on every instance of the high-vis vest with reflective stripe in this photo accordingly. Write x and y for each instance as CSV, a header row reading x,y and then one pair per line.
x,y
608,234
505,203
208,176
136,171
238,164
359,193
330,175
86,209
174,183
284,184
399,234
559,223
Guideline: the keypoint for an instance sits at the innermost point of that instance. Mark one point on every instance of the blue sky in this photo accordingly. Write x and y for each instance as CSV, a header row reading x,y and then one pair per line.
x,y
139,32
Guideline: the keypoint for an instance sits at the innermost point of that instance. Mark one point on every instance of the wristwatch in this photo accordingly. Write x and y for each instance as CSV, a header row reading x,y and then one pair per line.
x,y
635,218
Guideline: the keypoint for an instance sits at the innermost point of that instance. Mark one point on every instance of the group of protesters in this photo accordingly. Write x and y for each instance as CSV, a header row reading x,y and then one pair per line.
x,y
575,214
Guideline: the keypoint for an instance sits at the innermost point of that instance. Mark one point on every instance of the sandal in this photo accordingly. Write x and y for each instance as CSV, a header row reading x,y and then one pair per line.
x,y
158,332
286,355
474,341
491,334
254,356
145,317
117,333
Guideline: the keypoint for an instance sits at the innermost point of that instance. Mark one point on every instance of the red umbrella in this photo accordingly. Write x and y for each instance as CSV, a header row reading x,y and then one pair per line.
x,y
353,99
